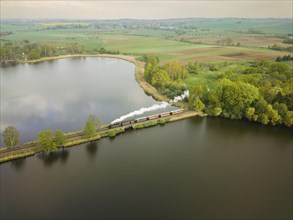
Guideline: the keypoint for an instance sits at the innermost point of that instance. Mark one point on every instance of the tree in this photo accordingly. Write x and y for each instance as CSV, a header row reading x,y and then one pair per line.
x,y
197,91
159,78
279,59
95,120
236,97
193,68
76,48
89,129
153,60
288,119
175,70
217,111
250,113
46,140
150,70
59,138
273,115
264,119
34,55
11,136
198,105
283,112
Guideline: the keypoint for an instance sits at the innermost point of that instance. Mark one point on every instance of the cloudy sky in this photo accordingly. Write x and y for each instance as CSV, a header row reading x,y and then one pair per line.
x,y
97,9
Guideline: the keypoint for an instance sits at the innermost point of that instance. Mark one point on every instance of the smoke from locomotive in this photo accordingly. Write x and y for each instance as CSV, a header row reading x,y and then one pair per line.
x,y
152,108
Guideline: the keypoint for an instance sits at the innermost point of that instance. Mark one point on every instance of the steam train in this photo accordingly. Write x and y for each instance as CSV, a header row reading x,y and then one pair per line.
x,y
142,119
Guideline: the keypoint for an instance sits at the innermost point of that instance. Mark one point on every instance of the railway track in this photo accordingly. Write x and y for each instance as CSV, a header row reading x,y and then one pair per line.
x,y
104,128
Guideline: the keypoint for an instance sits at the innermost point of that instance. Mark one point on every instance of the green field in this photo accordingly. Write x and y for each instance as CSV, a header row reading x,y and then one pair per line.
x,y
172,39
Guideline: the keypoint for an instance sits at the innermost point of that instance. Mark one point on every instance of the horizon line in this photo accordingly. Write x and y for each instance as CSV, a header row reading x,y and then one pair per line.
x,y
125,18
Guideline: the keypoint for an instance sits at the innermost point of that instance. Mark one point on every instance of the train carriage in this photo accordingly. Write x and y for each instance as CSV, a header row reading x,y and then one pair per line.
x,y
151,117
164,114
141,119
178,111
127,122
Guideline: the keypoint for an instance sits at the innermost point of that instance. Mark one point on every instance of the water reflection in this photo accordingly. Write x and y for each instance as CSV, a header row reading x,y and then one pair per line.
x,y
8,64
60,94
52,157
189,169
18,164
64,155
92,149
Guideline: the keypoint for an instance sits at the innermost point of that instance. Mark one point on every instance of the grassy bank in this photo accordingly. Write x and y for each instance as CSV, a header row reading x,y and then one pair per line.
x,y
113,132
162,121
69,143
18,156
22,153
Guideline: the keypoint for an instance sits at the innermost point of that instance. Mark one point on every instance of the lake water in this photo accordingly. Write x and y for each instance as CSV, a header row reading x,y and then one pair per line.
x,y
199,168
60,94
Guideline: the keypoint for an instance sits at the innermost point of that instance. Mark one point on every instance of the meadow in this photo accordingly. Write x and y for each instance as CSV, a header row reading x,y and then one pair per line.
x,y
184,40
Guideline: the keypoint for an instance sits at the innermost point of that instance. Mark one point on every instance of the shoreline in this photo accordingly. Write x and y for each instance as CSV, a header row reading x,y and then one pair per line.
x,y
139,77
23,152
138,73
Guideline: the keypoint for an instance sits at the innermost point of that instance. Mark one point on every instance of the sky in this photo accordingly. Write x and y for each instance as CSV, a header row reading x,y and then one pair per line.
x,y
144,9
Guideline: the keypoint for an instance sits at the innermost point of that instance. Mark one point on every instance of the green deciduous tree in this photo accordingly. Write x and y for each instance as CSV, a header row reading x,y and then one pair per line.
x,y
264,119
59,138
46,140
273,115
95,120
250,113
11,136
159,78
150,71
198,104
288,119
193,68
285,115
89,129
153,60
217,111
175,70
34,55
236,97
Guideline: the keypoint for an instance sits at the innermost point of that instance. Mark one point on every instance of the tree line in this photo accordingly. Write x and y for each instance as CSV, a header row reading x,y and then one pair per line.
x,y
281,48
284,58
49,141
168,79
260,92
263,93
26,50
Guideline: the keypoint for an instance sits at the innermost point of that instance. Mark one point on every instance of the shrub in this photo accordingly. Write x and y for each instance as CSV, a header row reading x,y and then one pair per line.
x,y
112,133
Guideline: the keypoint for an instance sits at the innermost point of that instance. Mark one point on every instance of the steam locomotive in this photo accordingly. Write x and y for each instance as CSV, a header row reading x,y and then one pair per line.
x,y
142,119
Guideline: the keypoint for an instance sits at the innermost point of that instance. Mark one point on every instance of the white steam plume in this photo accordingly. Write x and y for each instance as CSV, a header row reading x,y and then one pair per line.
x,y
181,97
141,111
152,108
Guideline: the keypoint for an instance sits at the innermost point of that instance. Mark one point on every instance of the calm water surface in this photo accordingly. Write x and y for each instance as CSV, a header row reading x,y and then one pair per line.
x,y
60,94
200,168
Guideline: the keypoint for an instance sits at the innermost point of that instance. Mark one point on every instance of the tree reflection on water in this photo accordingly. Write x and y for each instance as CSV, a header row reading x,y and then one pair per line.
x,y
52,157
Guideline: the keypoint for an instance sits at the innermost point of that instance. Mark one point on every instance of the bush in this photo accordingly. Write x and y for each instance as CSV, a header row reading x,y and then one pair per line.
x,y
162,121
112,133
145,124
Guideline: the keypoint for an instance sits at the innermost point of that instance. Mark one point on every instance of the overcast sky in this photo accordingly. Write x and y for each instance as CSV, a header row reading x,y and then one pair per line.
x,y
96,9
